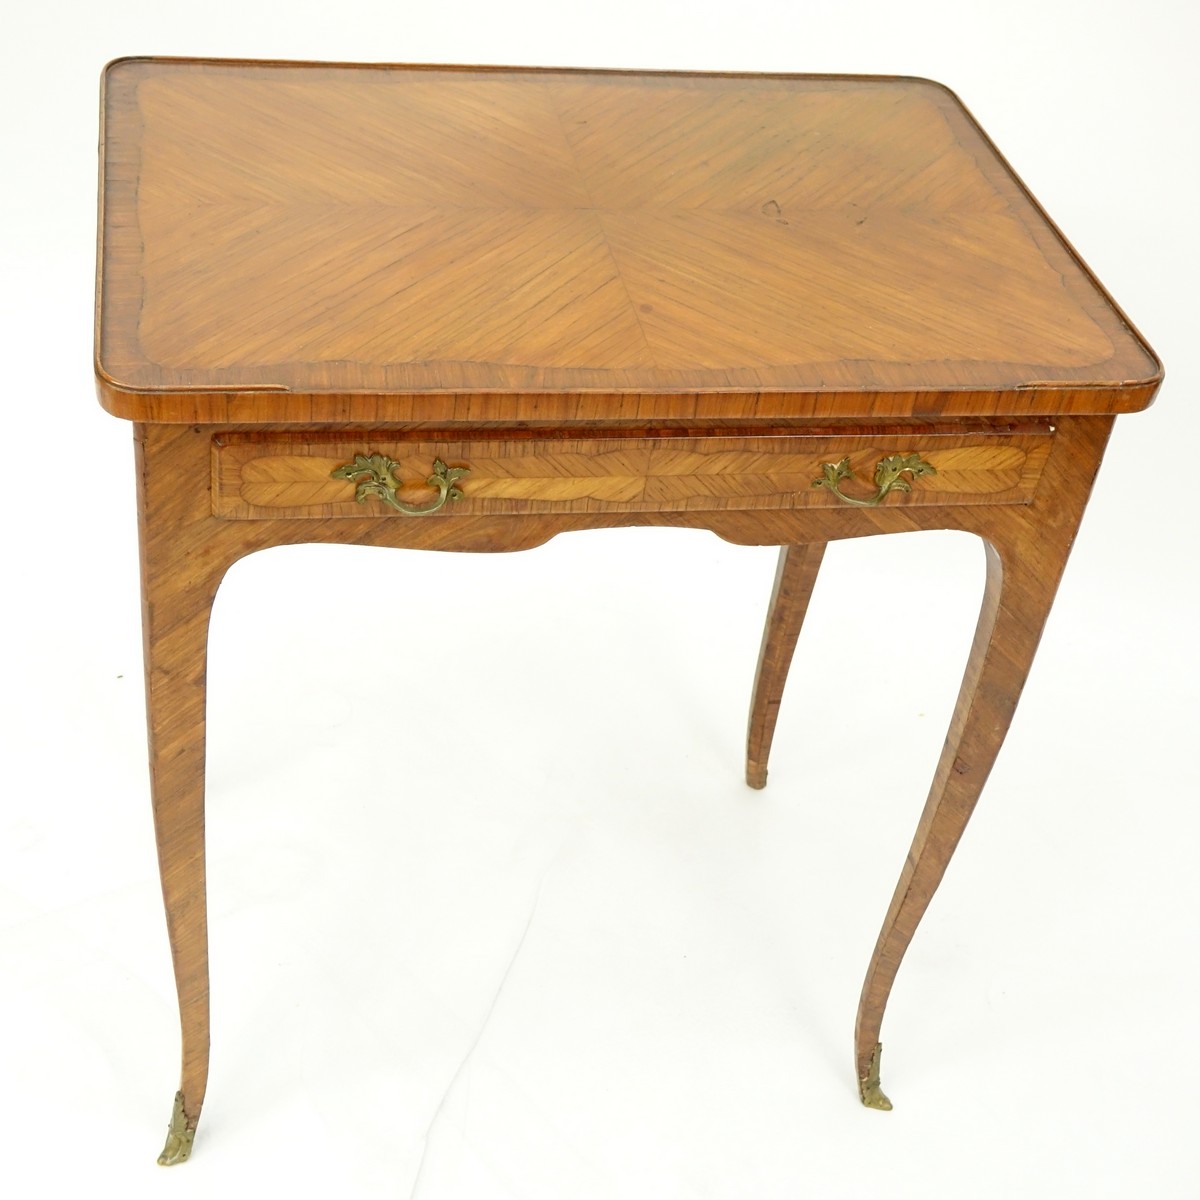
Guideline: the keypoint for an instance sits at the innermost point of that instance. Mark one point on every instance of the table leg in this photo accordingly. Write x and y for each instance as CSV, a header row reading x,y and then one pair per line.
x,y
795,578
180,576
1022,577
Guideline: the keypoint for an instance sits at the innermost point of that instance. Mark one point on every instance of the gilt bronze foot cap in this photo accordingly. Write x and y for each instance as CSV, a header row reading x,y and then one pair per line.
x,y
179,1136
868,1086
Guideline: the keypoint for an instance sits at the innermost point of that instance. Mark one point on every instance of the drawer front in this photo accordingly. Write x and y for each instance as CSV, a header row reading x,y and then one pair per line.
x,y
257,476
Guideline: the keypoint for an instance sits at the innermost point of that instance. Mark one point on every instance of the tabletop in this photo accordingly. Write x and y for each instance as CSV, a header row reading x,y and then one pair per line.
x,y
291,242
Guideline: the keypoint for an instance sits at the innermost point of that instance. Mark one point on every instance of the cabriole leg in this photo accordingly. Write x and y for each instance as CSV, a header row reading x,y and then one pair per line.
x,y
795,578
1016,603
180,575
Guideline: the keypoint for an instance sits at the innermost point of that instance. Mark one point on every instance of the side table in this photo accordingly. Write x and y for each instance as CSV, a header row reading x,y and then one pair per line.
x,y
473,308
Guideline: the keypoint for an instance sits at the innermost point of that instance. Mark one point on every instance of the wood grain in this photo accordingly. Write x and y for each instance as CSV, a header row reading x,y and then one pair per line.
x,y
308,242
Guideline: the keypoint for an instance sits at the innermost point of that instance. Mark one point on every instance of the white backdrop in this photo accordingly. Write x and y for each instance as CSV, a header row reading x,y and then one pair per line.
x,y
493,914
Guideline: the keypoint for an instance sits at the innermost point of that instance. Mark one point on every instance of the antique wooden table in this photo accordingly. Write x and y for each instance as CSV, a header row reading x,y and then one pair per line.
x,y
470,309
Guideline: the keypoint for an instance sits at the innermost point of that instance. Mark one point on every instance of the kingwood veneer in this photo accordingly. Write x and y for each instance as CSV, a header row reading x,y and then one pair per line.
x,y
470,309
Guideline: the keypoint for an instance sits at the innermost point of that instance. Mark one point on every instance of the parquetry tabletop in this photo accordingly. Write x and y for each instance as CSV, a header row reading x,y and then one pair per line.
x,y
854,244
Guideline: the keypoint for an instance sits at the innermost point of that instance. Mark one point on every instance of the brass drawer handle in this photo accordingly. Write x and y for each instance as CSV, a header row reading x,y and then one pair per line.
x,y
380,481
888,477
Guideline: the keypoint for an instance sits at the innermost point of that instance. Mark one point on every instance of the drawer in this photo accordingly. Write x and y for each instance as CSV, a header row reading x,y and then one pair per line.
x,y
276,474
